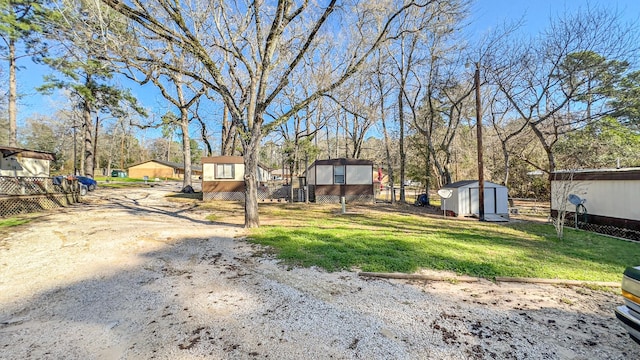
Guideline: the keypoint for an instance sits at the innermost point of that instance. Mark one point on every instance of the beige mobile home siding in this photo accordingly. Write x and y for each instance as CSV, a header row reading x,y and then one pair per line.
x,y
612,195
613,198
359,175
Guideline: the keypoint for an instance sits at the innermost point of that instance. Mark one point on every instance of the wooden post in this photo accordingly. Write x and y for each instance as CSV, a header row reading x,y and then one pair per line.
x,y
479,137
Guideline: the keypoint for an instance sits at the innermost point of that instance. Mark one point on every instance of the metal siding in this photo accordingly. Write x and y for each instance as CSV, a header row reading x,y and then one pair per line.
x,y
238,172
472,201
311,174
608,198
324,174
208,172
359,175
453,202
502,199
24,166
464,198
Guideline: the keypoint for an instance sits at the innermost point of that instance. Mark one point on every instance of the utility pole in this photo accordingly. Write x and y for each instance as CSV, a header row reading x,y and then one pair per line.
x,y
476,79
75,152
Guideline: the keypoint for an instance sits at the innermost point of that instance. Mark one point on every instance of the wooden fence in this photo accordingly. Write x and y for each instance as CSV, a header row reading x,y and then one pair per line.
x,y
19,195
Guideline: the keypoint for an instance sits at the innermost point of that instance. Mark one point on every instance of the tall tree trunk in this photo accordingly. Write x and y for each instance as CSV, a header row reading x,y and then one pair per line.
x,y
328,144
169,141
337,139
346,136
207,145
122,154
186,146
401,142
251,153
88,140
13,126
110,157
387,147
427,170
387,144
226,133
505,153
95,142
547,148
186,139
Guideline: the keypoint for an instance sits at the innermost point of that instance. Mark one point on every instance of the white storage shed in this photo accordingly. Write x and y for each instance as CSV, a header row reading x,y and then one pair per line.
x,y
464,199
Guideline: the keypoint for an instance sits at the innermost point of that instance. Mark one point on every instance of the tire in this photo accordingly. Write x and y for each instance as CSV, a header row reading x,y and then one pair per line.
x,y
92,187
83,190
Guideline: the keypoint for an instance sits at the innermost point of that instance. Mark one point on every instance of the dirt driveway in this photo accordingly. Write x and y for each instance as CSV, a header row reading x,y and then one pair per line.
x,y
129,275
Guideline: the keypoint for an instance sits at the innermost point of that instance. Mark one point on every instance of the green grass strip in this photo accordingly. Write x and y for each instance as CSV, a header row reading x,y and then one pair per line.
x,y
390,242
10,222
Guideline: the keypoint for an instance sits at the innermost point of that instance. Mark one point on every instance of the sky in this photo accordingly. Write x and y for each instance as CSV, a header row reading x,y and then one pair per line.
x,y
485,15
488,14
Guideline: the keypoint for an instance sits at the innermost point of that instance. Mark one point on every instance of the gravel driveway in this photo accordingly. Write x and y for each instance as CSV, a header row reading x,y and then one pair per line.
x,y
129,275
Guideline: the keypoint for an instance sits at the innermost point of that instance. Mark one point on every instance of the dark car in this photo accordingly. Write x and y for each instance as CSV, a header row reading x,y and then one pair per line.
x,y
88,182
629,313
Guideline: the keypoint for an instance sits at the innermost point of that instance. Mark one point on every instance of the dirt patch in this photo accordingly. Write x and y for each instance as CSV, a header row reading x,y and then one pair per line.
x,y
129,275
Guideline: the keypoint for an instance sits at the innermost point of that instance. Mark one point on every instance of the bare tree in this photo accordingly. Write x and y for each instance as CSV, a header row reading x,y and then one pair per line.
x,y
356,102
250,53
382,85
430,92
560,81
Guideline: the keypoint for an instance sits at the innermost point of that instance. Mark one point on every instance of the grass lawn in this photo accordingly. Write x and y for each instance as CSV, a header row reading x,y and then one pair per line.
x,y
120,182
9,222
393,240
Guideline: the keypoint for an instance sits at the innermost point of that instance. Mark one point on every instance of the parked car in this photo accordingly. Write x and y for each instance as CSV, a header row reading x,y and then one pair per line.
x,y
412,183
629,313
118,173
88,182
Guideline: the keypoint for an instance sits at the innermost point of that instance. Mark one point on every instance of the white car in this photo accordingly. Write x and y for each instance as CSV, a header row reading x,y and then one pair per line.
x,y
629,313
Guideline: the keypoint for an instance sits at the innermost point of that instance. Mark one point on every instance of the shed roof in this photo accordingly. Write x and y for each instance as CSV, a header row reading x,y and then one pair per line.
x,y
460,183
32,154
342,161
470,183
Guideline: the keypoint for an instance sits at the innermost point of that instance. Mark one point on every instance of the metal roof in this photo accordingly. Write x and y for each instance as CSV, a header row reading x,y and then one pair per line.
x,y
342,161
169,164
32,154
464,183
632,173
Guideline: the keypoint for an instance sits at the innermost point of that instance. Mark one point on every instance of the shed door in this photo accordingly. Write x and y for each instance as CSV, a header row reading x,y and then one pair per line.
x,y
489,200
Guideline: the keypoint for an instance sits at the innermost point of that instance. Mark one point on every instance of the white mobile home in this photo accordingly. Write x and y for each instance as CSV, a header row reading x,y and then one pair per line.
x,y
23,162
612,195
